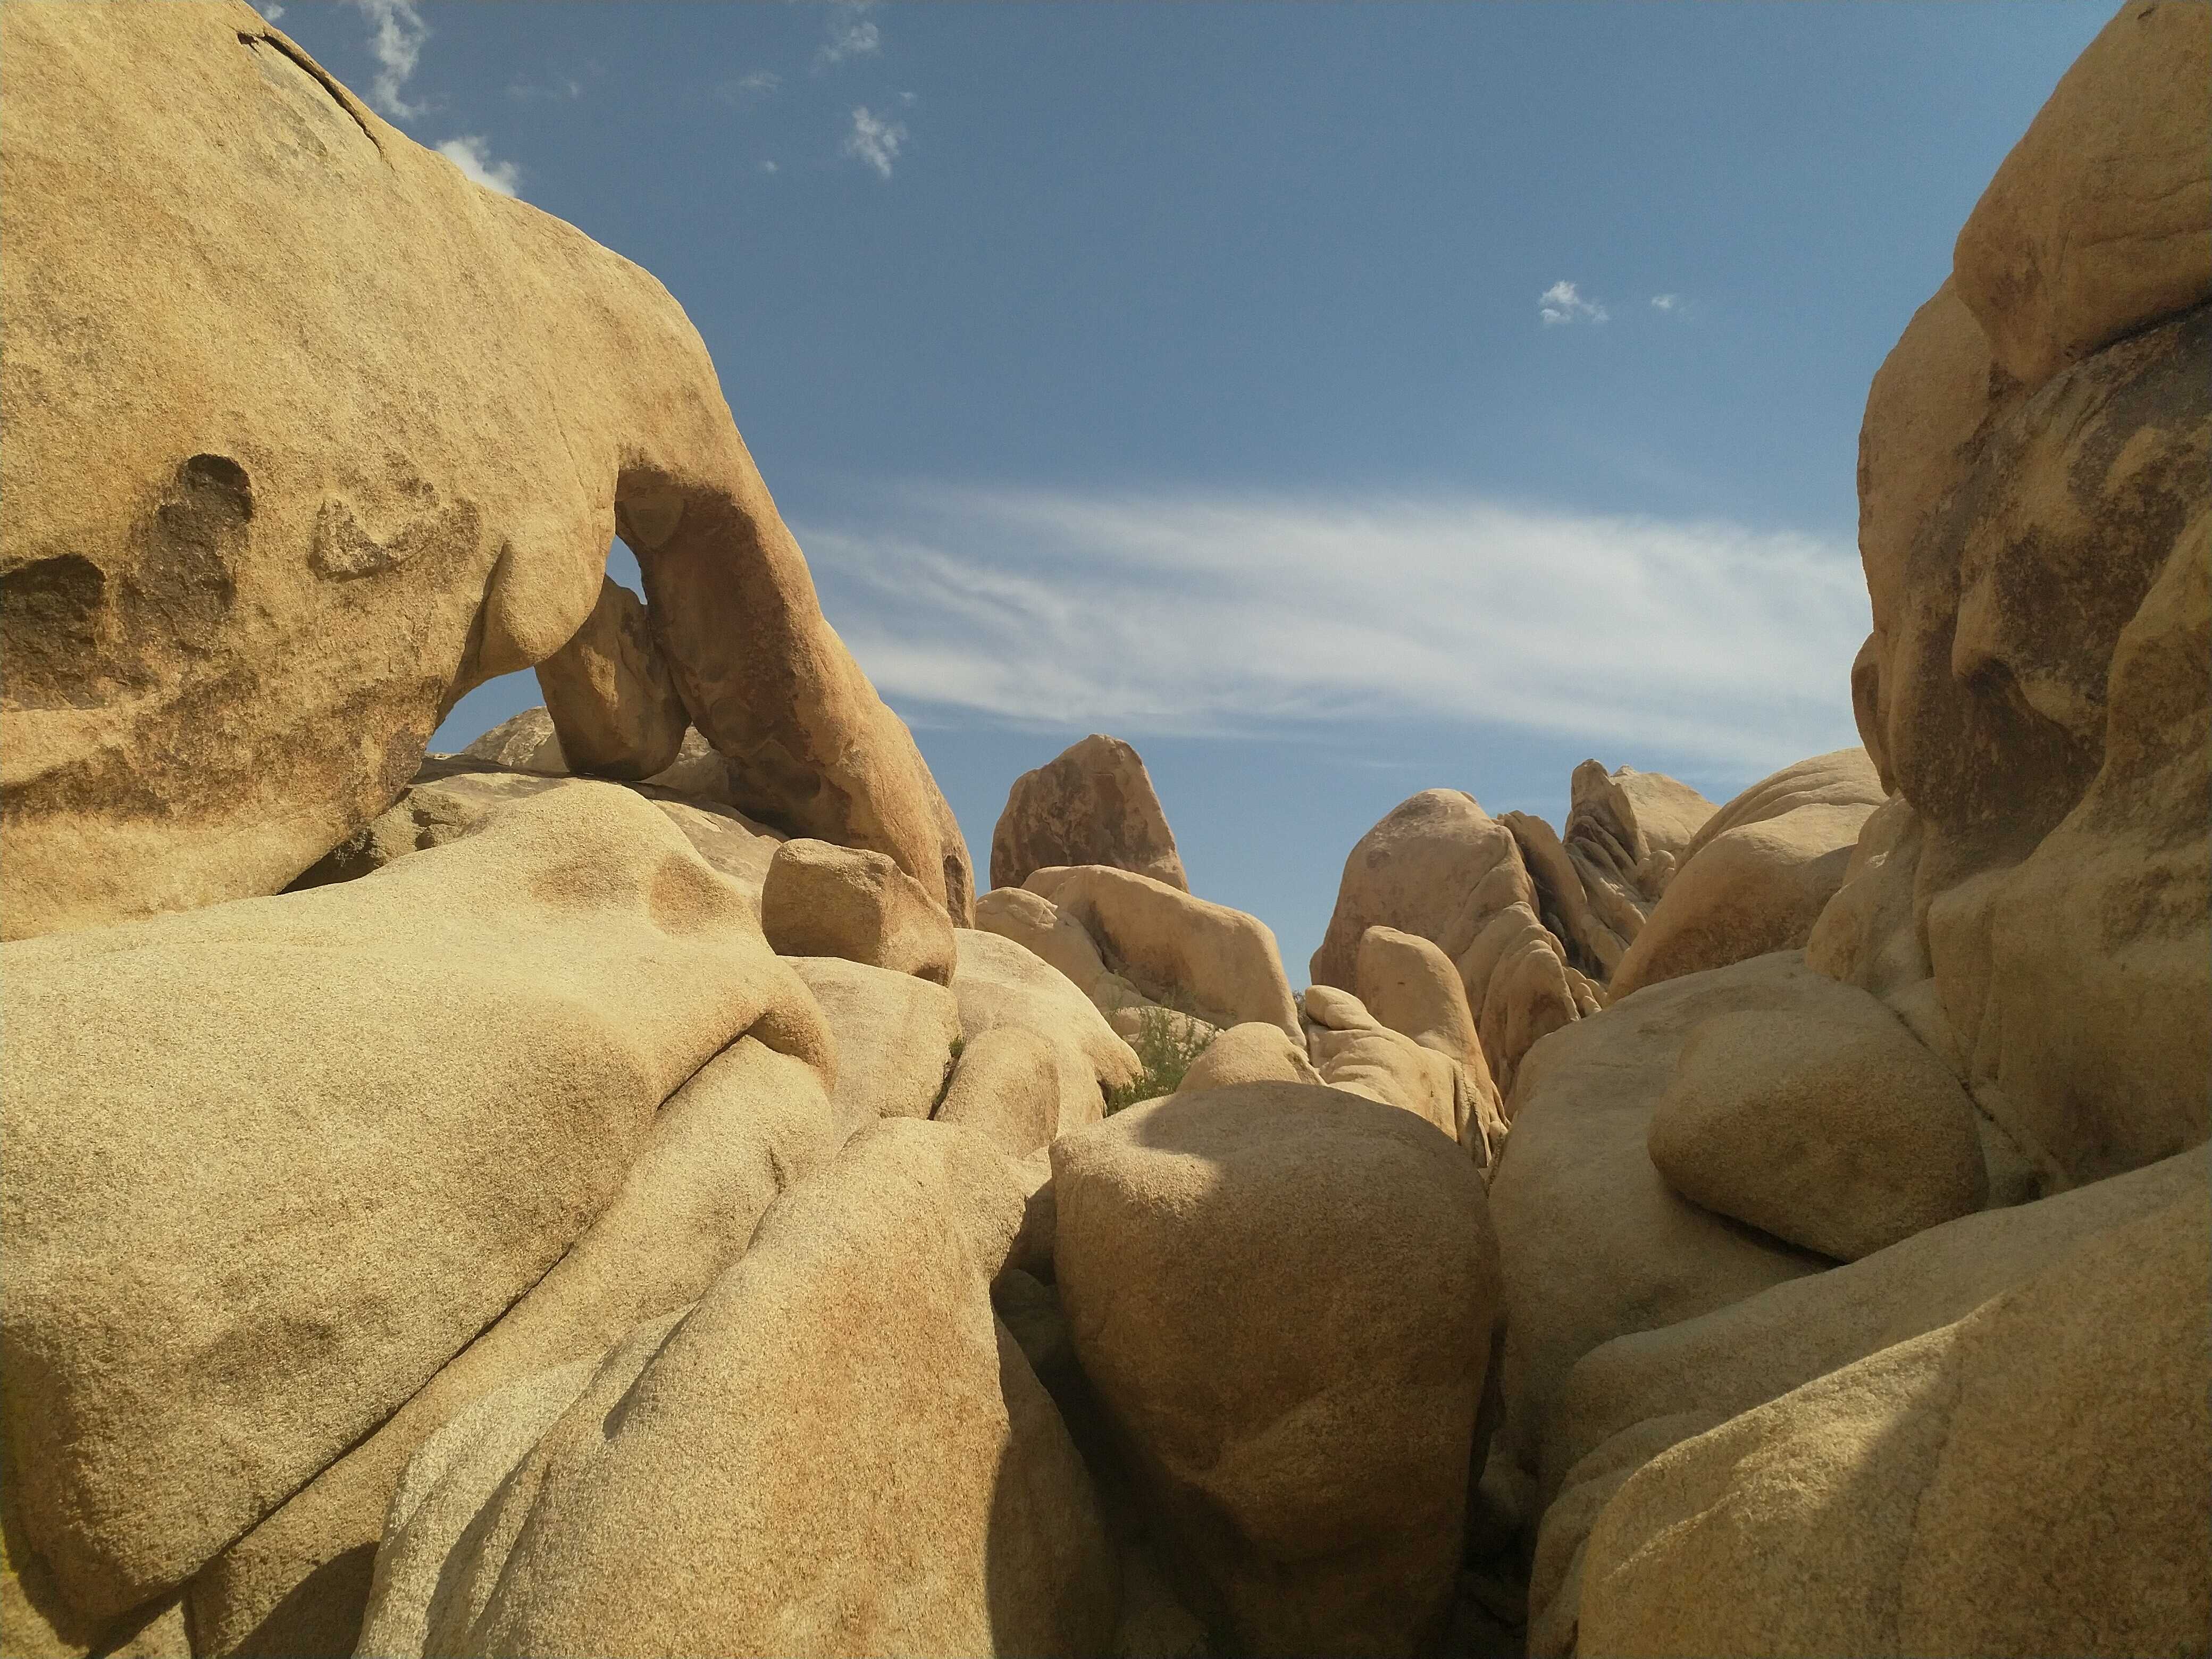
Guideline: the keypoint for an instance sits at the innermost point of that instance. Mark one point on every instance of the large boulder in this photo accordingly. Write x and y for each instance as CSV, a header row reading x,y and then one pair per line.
x,y
2007,1483
1035,923
1439,868
749,1124
1309,1464
821,900
1755,878
896,1037
234,1250
245,572
1410,985
2036,559
840,1449
527,743
611,700
1208,960
456,797
998,983
1352,1050
1592,1242
1255,1052
1093,804
1829,1126
2094,224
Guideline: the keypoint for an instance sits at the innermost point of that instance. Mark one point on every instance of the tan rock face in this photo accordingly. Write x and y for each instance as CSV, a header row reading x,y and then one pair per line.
x,y
1094,804
527,743
998,983
1035,923
321,1044
749,1124
819,900
1006,1085
453,798
1254,1053
2041,689
1832,1128
245,572
1592,1241
1439,868
2094,224
1989,1488
1311,1470
1205,959
893,1035
1411,985
1758,875
610,698
839,1450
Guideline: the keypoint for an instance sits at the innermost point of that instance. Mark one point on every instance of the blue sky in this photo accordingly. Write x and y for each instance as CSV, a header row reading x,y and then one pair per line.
x,y
1333,400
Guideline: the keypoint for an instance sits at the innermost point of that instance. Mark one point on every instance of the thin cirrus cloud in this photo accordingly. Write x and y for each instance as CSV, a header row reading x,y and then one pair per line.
x,y
875,140
745,88
472,156
397,45
1562,303
1199,616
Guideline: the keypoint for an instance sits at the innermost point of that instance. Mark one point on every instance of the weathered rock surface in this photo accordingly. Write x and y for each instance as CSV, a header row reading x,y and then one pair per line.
x,y
998,983
1253,1053
1093,804
1592,1241
455,797
819,900
610,698
2036,683
1006,1085
1410,985
1757,876
1353,1051
840,1449
1441,868
527,743
893,1035
244,573
1311,1469
1829,1126
1035,923
333,1042
749,1124
2094,225
1996,1486
1208,960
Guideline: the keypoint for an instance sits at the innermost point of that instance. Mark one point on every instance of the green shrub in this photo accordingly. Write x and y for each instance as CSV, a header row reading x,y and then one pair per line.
x,y
1165,1047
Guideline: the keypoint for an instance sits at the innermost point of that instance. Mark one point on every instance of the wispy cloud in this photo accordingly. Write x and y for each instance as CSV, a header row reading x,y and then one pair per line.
x,y
271,12
875,140
1666,302
472,156
768,166
559,89
745,88
397,45
1562,303
1194,616
852,34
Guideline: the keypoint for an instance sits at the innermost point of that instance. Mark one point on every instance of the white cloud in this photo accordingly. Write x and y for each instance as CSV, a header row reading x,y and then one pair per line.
x,y
472,156
768,166
745,87
1666,302
874,140
852,34
1197,616
1561,303
271,12
561,88
397,46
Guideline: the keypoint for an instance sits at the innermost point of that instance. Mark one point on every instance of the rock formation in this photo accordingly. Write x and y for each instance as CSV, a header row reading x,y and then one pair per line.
x,y
1093,804
245,572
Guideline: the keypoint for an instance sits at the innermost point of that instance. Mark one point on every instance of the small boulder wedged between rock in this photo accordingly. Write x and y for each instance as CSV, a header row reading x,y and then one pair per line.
x,y
612,701
819,900
1093,804
893,1035
1006,1085
1251,1052
1833,1128
998,982
1285,1297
